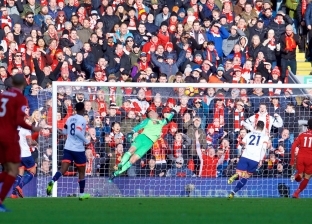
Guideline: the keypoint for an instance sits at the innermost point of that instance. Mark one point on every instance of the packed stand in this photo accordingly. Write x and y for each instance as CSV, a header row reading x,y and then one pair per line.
x,y
206,41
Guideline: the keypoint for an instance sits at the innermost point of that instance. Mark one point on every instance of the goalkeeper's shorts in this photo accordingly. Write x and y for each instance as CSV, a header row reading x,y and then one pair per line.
x,y
142,144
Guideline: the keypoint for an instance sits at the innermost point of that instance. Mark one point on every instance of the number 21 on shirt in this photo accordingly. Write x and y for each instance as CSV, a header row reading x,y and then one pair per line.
x,y
253,138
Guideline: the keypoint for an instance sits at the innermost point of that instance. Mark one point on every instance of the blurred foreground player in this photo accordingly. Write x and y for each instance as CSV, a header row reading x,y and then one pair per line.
x,y
27,161
255,147
74,150
12,113
302,158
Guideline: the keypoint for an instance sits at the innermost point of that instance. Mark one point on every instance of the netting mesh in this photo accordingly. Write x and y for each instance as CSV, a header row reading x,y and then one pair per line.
x,y
198,149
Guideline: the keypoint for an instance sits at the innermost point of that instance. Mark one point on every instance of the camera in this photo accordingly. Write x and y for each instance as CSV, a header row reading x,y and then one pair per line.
x,y
307,101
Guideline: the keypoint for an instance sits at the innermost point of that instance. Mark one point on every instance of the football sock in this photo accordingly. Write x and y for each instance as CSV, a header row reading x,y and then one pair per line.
x,y
298,178
125,158
82,184
2,176
16,183
124,168
7,184
303,184
28,176
57,176
240,184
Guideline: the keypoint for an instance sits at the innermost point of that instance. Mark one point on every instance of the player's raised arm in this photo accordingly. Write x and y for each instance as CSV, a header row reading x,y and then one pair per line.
x,y
169,117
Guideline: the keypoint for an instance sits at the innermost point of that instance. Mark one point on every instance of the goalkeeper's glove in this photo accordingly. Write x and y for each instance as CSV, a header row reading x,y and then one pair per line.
x,y
129,136
175,110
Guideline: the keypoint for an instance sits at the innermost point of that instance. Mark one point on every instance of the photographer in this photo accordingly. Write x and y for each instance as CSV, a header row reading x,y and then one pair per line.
x,y
305,112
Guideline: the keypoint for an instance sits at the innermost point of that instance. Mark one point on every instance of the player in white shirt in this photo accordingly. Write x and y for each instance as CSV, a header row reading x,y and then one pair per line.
x,y
74,150
255,148
27,161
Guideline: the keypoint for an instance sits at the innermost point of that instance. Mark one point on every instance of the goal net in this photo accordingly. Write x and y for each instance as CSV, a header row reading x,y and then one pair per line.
x,y
197,150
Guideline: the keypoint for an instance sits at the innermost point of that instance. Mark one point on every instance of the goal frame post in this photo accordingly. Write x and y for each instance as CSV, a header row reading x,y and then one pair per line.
x,y
56,84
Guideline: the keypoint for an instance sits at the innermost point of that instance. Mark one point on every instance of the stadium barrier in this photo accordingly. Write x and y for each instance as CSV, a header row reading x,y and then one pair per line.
x,y
171,187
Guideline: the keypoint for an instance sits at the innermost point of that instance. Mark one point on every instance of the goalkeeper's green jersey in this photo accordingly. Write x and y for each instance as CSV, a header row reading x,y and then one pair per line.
x,y
152,129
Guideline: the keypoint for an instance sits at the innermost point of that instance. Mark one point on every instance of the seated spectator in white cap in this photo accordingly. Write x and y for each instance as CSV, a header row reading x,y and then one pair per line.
x,y
179,170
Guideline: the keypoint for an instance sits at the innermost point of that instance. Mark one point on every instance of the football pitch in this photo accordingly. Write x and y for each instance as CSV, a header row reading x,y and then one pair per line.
x,y
157,210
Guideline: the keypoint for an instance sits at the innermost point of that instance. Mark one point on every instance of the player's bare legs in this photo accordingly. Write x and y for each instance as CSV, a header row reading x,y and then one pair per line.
x,y
82,182
303,184
57,175
242,177
10,173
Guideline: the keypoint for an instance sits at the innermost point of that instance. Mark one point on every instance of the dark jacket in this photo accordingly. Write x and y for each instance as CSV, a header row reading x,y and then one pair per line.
x,y
109,22
308,14
279,29
253,51
290,121
285,54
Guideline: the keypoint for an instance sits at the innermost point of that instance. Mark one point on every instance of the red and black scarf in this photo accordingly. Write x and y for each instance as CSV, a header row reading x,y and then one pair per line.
x,y
267,122
238,118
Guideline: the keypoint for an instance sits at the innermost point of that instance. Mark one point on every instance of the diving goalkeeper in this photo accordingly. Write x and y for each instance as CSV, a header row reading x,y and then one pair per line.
x,y
143,142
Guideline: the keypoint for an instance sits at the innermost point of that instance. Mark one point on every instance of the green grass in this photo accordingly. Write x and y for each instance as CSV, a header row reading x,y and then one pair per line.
x,y
157,210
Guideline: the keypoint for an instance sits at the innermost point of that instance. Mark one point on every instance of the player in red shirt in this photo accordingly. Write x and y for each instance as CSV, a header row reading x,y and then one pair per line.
x,y
12,114
302,158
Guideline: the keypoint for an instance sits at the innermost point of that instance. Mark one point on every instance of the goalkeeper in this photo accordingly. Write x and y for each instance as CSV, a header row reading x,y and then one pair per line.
x,y
143,142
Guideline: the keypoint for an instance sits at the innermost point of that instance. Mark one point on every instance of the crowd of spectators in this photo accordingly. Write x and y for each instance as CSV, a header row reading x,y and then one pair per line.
x,y
191,41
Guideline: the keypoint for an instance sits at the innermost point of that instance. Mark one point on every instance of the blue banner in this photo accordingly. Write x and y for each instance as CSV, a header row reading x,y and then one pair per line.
x,y
170,187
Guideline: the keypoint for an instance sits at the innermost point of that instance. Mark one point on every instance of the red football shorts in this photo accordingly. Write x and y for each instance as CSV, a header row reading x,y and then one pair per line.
x,y
304,165
10,152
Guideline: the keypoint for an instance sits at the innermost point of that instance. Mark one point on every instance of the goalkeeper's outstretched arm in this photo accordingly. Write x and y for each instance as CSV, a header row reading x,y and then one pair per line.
x,y
173,112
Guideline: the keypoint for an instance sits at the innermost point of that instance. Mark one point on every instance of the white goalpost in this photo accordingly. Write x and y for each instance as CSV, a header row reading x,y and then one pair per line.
x,y
215,153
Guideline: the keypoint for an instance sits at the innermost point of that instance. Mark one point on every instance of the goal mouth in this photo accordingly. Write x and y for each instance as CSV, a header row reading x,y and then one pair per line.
x,y
198,150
